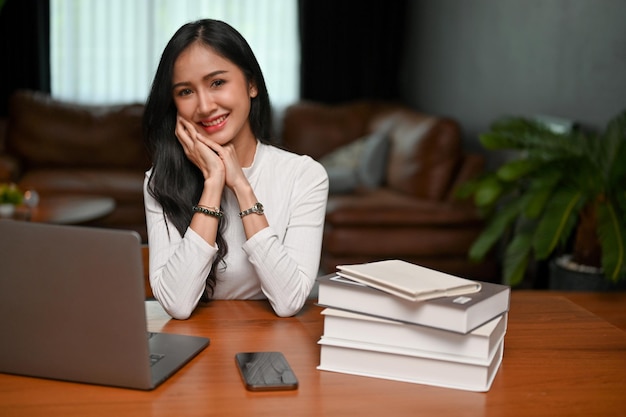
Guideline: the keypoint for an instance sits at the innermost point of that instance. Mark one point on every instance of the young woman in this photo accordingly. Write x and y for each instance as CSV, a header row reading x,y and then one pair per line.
x,y
229,216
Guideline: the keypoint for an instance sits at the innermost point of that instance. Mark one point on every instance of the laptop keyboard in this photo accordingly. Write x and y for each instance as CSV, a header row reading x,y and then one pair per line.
x,y
154,357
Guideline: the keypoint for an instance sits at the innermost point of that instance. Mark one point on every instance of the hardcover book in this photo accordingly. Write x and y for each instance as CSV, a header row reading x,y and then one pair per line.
x,y
460,314
407,280
479,344
408,365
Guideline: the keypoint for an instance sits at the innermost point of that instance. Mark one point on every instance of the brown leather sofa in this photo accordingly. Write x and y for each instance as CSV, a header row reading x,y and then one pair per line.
x,y
60,148
64,148
412,213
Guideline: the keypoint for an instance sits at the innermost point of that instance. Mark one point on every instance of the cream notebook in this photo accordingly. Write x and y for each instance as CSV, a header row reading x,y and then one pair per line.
x,y
407,280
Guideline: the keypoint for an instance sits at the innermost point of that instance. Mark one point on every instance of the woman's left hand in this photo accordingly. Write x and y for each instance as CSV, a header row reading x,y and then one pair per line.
x,y
198,152
228,155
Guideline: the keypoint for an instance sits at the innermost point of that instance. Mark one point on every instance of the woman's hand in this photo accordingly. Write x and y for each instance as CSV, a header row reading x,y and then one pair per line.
x,y
210,156
198,152
232,166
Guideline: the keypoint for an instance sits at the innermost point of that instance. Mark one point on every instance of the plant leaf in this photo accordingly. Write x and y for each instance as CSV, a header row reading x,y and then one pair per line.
x,y
489,190
494,230
540,191
466,189
516,258
612,235
611,161
516,169
557,222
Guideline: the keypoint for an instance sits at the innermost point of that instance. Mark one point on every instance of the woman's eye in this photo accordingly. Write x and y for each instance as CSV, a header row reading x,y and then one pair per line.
x,y
217,83
184,92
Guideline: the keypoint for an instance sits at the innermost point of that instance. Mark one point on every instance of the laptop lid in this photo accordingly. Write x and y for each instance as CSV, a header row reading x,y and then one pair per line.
x,y
72,308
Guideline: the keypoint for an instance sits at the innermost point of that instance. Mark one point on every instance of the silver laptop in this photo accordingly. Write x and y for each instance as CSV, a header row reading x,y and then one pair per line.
x,y
72,308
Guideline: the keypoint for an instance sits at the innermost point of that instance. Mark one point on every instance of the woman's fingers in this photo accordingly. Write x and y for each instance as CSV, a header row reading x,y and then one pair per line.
x,y
200,150
208,155
183,135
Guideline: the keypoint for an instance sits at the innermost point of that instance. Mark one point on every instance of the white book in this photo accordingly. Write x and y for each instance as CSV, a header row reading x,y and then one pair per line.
x,y
408,366
410,281
480,343
460,314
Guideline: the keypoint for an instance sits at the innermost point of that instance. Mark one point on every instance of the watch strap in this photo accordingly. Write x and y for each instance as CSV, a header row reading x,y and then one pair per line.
x,y
256,208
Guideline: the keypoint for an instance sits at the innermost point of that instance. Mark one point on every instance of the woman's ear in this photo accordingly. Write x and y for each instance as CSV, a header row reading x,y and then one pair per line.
x,y
253,90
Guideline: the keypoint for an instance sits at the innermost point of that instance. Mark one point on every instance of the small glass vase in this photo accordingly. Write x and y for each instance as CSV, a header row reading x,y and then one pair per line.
x,y
7,210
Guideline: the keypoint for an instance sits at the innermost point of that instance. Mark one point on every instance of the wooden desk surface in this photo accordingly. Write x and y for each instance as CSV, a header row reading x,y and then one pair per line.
x,y
559,360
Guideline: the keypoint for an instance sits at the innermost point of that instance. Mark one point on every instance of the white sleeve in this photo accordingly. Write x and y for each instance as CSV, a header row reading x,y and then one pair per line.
x,y
179,265
288,269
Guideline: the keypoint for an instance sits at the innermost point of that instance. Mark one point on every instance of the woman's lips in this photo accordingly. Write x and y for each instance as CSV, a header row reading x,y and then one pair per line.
x,y
213,124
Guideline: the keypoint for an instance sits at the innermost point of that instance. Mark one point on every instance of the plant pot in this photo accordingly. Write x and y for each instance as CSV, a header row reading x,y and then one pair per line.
x,y
7,210
568,276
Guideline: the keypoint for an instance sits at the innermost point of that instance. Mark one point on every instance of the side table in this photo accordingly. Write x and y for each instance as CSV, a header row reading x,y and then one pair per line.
x,y
67,209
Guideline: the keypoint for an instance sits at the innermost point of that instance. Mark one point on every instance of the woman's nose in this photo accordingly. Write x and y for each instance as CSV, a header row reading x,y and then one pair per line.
x,y
206,104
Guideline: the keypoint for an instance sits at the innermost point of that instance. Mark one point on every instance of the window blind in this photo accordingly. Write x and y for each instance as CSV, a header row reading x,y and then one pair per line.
x,y
106,52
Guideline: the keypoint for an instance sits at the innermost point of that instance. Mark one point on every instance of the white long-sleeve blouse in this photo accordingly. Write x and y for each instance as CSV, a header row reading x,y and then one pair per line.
x,y
279,263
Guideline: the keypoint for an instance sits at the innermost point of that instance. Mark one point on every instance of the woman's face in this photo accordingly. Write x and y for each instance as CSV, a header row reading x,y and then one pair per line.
x,y
212,93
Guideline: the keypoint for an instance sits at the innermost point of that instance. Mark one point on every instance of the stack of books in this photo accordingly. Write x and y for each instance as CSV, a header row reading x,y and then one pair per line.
x,y
396,320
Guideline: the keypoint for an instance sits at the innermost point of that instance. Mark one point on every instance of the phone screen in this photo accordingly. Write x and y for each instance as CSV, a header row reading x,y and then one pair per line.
x,y
266,371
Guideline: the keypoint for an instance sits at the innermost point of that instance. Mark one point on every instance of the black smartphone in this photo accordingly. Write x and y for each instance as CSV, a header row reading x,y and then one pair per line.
x,y
266,371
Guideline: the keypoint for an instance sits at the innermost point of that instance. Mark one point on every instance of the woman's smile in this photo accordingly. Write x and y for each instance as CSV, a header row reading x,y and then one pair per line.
x,y
214,124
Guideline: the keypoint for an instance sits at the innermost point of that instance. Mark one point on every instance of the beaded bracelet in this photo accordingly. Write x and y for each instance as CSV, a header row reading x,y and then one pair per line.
x,y
209,211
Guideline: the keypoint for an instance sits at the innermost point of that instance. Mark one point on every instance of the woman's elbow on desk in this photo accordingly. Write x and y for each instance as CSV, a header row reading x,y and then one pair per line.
x,y
286,312
177,312
287,309
289,303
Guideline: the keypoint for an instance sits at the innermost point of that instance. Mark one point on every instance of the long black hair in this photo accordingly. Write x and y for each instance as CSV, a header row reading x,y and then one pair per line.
x,y
176,183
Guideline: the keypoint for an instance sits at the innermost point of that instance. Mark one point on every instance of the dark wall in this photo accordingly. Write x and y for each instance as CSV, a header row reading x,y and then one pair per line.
x,y
477,60
351,49
24,48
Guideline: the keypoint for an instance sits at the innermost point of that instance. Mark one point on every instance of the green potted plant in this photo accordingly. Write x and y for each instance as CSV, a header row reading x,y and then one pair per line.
x,y
10,196
566,191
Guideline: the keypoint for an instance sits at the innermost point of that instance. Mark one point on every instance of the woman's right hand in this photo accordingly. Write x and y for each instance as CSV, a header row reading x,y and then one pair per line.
x,y
209,163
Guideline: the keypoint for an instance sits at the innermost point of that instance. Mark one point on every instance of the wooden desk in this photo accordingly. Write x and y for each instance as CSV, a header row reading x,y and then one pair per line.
x,y
559,360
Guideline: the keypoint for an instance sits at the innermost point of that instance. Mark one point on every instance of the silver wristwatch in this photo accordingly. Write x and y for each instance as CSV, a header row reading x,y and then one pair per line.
x,y
256,208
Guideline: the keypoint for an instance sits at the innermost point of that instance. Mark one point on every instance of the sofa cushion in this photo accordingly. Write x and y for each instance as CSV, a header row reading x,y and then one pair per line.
x,y
45,133
372,168
341,180
362,163
401,241
424,156
383,207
